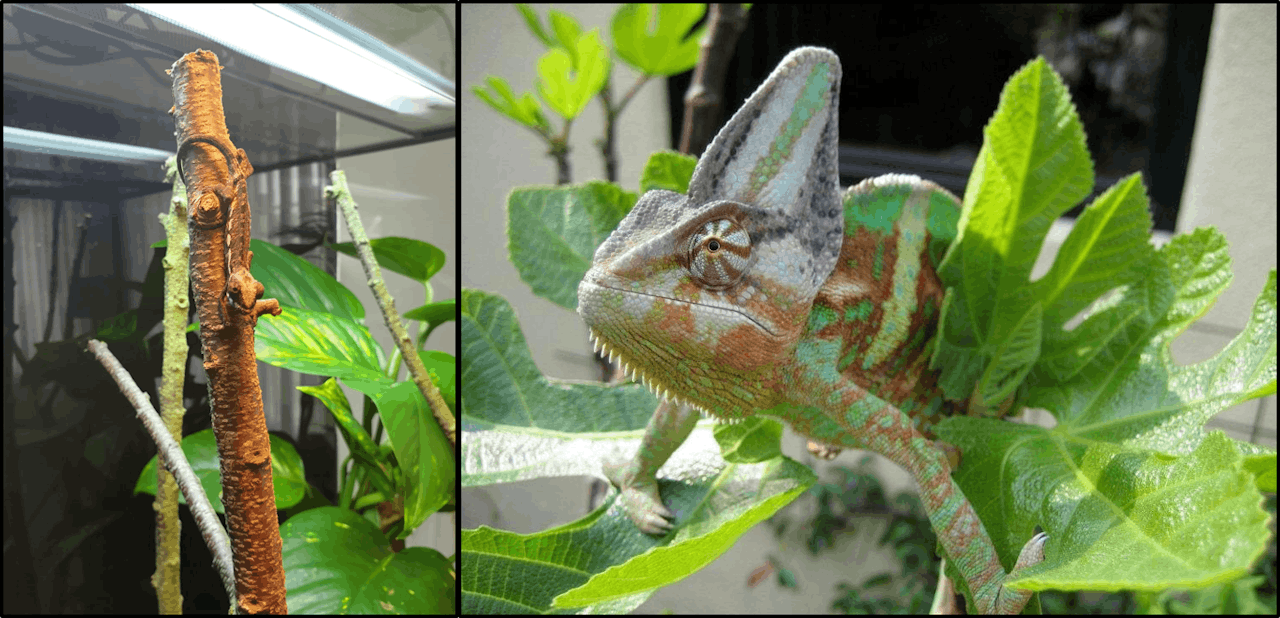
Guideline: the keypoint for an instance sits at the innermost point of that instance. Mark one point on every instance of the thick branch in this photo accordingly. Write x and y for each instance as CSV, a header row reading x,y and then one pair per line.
x,y
227,302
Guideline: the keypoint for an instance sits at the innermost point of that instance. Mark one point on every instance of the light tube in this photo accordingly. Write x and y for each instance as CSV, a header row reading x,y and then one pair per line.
x,y
283,37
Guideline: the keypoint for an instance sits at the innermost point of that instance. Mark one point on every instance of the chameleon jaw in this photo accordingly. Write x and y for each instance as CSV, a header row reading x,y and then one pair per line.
x,y
723,310
632,371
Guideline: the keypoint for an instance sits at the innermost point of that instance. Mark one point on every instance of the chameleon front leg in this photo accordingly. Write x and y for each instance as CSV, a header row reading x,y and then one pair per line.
x,y
636,479
873,424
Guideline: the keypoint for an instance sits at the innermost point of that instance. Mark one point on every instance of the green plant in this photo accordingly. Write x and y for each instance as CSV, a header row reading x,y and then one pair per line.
x,y
654,39
386,489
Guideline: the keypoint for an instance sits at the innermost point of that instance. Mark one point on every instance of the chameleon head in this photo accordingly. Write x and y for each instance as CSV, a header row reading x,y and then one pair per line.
x,y
695,304
705,295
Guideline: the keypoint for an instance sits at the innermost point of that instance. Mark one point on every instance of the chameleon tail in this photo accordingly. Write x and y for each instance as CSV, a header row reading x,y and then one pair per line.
x,y
871,423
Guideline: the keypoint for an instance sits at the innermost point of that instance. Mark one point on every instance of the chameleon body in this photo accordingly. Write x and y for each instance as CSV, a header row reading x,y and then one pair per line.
x,y
228,217
764,291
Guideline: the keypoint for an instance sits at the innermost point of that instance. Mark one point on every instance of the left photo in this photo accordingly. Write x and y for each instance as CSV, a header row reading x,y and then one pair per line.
x,y
232,264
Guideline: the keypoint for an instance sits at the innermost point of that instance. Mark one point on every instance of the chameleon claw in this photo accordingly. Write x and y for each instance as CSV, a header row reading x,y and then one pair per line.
x,y
639,500
1032,553
1009,600
653,523
824,452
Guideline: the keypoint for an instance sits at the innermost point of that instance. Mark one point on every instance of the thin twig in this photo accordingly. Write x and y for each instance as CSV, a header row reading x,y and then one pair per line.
x,y
172,457
373,273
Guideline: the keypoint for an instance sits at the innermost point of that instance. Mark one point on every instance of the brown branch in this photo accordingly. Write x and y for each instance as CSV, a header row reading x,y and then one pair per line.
x,y
705,97
227,301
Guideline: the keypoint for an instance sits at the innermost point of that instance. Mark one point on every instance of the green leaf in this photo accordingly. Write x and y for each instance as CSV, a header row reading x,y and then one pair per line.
x,y
501,386
736,502
1012,360
1133,375
337,562
553,232
1032,167
667,170
754,440
569,80
567,32
320,344
613,567
359,442
524,110
1132,490
655,38
442,367
296,283
424,454
1119,517
410,257
288,475
434,314
534,24
1130,435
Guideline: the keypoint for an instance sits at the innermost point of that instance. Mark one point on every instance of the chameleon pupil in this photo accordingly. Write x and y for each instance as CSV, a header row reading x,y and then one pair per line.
x,y
713,245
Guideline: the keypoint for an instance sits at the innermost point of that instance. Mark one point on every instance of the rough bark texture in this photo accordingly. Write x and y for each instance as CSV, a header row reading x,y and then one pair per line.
x,y
226,297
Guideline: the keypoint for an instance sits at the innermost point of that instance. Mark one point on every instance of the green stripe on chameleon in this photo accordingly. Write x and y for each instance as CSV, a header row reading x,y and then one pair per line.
x,y
821,317
877,211
877,262
898,307
814,355
813,99
858,312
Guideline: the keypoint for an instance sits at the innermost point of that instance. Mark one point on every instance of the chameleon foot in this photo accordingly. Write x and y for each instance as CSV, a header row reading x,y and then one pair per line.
x,y
1008,600
1032,553
640,500
825,452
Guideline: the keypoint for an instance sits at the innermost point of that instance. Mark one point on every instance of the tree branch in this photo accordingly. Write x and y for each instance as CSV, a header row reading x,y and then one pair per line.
x,y
227,301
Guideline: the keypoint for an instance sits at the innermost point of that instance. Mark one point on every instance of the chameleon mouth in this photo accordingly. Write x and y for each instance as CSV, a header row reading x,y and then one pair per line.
x,y
599,345
715,309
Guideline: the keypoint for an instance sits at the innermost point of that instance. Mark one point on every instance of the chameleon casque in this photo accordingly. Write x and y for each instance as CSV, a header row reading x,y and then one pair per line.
x,y
763,291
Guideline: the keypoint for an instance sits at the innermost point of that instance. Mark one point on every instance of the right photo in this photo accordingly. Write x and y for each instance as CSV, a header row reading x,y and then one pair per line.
x,y
815,308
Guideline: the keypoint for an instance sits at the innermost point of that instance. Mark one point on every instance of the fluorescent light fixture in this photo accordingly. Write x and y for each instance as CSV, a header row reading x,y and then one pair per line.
x,y
51,144
296,40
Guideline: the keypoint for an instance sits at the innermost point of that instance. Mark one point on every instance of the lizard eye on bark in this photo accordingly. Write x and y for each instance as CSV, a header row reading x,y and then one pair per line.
x,y
719,253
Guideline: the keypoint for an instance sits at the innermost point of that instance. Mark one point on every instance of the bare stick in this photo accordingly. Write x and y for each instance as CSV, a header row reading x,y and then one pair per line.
x,y
171,456
373,273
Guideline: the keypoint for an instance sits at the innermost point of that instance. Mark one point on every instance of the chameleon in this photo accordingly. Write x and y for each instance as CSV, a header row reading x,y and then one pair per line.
x,y
764,290
228,217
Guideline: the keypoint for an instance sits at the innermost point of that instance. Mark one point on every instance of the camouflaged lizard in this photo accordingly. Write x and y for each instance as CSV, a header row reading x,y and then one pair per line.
x,y
238,288
763,291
